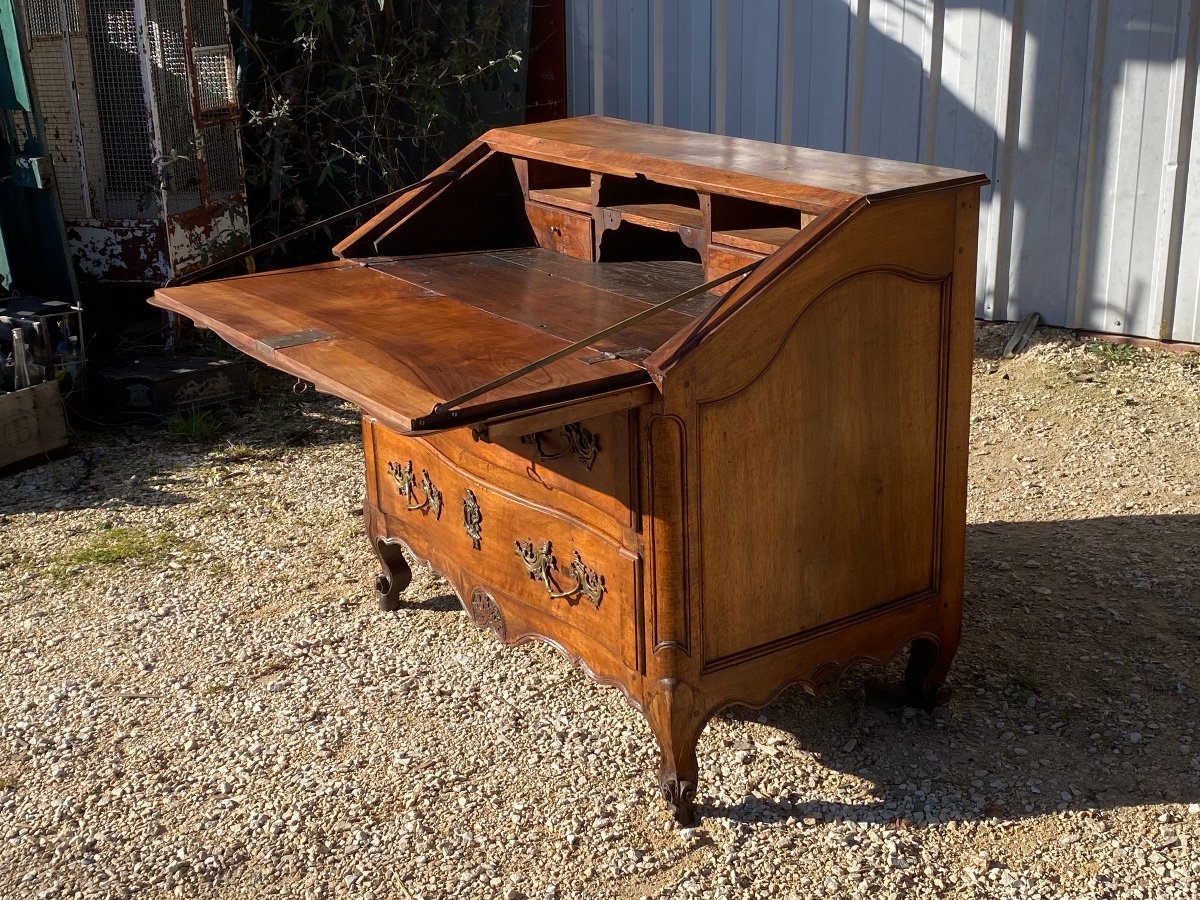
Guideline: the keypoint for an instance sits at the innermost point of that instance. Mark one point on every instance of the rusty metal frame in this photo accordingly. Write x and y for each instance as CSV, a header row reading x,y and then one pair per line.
x,y
189,65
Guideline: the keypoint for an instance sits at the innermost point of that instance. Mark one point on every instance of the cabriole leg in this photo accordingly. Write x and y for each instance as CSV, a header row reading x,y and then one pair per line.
x,y
928,663
676,722
395,576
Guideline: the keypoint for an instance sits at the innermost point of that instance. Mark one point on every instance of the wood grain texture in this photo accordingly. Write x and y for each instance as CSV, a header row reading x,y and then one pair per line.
x,y
516,464
735,166
666,515
395,348
756,240
723,260
580,199
818,481
507,517
918,230
683,221
643,281
33,422
562,231
540,301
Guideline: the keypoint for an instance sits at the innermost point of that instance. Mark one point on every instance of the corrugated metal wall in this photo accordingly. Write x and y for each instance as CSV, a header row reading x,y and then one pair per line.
x,y
1083,112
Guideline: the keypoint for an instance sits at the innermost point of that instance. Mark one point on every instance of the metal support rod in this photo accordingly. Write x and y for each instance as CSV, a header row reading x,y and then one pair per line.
x,y
68,50
308,229
592,338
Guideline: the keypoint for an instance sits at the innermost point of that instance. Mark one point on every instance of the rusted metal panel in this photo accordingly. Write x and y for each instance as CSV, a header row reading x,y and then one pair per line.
x,y
132,251
206,234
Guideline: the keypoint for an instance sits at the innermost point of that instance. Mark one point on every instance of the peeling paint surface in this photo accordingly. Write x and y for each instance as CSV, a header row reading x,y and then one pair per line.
x,y
206,234
124,250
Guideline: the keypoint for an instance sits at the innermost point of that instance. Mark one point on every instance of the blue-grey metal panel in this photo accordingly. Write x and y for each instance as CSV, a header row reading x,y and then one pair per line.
x,y
1183,321
1139,120
580,48
813,97
893,78
751,35
627,86
687,50
1082,111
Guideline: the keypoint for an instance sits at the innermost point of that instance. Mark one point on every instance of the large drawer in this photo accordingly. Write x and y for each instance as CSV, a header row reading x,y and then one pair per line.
x,y
561,568
584,464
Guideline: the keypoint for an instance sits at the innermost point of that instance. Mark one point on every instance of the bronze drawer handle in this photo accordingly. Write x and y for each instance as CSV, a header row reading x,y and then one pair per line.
x,y
402,475
580,441
541,563
472,519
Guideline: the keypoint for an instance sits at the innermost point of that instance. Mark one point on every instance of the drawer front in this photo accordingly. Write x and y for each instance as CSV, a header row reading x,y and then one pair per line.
x,y
723,260
557,566
565,232
578,468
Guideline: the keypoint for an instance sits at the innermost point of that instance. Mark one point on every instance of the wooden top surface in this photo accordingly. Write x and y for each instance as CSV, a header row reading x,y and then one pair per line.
x,y
719,163
396,336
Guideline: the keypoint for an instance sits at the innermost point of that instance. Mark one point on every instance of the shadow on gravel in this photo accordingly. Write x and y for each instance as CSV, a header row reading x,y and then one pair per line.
x,y
440,603
152,465
1075,687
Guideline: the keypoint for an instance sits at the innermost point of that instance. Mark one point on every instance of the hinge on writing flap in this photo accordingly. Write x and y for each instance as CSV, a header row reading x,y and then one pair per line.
x,y
293,339
627,353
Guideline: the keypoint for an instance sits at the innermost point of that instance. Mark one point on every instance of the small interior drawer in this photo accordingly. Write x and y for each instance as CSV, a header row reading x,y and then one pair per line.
x,y
561,230
722,260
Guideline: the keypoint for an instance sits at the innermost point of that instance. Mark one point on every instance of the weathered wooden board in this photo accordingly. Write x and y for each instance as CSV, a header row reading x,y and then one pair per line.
x,y
32,422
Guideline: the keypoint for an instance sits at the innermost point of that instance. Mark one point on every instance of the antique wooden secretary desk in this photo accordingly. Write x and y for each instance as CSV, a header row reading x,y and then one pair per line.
x,y
748,488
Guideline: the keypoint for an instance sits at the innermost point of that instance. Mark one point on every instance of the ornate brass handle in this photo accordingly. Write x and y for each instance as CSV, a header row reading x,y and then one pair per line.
x,y
580,441
473,519
541,563
402,475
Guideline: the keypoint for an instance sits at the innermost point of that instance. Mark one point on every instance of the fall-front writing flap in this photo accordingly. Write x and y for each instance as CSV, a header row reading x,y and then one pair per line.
x,y
394,347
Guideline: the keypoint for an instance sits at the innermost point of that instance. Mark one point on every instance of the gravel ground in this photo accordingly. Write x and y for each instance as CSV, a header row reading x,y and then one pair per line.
x,y
200,699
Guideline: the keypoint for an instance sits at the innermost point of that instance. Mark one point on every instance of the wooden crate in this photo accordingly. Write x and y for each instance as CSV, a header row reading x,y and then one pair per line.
x,y
32,422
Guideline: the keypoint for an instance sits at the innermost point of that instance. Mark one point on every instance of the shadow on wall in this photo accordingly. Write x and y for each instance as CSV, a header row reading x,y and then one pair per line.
x,y
1089,167
1074,687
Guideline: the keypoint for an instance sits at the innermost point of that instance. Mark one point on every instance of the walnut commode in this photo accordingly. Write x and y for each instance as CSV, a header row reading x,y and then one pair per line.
x,y
753,486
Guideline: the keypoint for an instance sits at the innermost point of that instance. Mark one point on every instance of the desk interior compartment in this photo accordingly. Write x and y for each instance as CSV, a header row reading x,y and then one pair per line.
x,y
557,185
754,227
482,209
632,210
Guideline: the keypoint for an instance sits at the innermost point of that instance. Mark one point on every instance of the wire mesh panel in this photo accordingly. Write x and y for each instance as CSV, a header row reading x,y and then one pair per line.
x,y
139,103
131,176
59,70
222,155
210,27
46,18
173,101
215,86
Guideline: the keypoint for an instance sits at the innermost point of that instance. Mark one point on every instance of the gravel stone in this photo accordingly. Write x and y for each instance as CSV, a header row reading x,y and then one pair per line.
x,y
201,700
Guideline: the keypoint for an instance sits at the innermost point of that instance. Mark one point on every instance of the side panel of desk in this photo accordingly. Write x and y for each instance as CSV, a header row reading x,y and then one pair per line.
x,y
820,433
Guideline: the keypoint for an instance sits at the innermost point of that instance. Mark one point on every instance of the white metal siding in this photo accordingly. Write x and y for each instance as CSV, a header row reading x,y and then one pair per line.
x,y
1083,112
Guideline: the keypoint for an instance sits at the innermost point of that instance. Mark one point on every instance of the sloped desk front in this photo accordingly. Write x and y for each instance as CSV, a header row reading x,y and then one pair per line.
x,y
751,489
